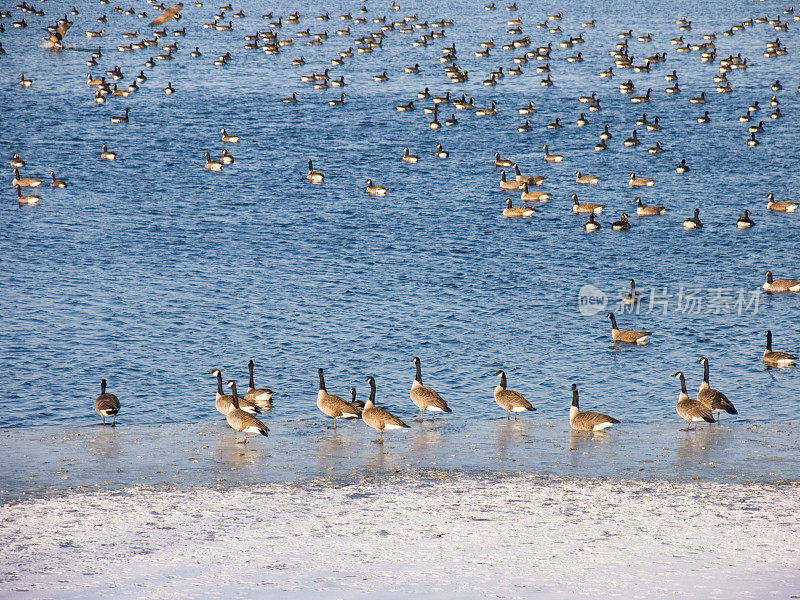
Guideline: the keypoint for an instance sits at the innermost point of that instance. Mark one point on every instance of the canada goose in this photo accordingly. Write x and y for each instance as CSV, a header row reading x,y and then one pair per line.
x,y
168,14
424,94
121,118
375,190
106,405
788,206
258,396
631,297
528,196
353,402
642,120
527,110
409,158
645,98
57,183
547,81
682,167
585,207
648,211
502,162
701,99
776,87
334,406
600,146
223,402
26,198
291,99
744,221
23,81
232,139
574,59
693,222
634,181
704,118
509,400
27,182
441,152
774,358
555,124
591,224
239,419
551,157
380,78
212,165
752,141
314,176
605,134
106,154
508,185
690,409
339,102
607,73
713,399
623,224
595,106
17,162
511,212
487,112
631,141
587,421
588,99
780,285
525,127
226,158
405,107
657,149
756,128
582,120
627,336
586,179
426,398
379,418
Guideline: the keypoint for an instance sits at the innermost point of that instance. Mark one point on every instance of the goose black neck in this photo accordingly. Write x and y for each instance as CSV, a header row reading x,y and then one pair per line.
x,y
250,369
103,386
683,384
769,342
321,380
419,370
613,321
705,370
235,399
219,383
574,395
503,380
372,390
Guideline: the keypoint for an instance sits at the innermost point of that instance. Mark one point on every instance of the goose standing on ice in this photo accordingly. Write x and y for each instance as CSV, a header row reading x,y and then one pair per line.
x,y
713,399
690,409
424,397
510,400
379,418
334,406
242,421
587,421
106,405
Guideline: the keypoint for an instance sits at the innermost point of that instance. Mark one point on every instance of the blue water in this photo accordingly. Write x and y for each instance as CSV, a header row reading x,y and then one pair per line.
x,y
150,271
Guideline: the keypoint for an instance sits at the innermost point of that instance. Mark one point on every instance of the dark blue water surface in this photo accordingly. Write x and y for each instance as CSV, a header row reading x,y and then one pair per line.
x,y
150,271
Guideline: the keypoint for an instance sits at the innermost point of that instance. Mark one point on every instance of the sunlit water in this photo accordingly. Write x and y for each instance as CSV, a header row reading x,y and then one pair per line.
x,y
150,271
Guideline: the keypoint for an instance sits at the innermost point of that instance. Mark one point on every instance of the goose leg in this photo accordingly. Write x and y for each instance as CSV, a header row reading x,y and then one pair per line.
x,y
114,422
433,416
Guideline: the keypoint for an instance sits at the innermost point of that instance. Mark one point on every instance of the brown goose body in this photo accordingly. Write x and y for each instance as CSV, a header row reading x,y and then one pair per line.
x,y
379,418
509,400
713,399
773,358
424,397
780,285
224,401
690,409
334,406
627,336
106,405
587,421
258,396
243,421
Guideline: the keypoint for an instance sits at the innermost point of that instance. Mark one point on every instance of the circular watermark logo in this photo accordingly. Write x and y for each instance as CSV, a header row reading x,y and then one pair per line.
x,y
591,300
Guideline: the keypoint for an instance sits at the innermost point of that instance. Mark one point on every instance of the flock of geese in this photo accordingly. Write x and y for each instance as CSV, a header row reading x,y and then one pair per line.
x,y
240,411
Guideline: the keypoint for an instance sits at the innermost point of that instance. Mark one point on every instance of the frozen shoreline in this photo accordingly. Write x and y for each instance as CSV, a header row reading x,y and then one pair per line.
x,y
446,535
